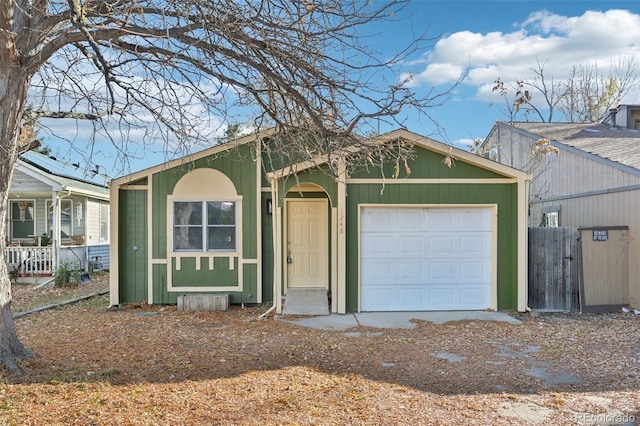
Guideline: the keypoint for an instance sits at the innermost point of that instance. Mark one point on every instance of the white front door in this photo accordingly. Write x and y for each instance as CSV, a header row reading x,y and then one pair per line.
x,y
307,243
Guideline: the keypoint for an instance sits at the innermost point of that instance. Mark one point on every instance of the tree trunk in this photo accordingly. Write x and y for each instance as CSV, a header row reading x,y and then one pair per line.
x,y
13,86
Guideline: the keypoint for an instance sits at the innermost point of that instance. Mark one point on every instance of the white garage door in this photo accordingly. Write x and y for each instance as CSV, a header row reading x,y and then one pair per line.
x,y
417,259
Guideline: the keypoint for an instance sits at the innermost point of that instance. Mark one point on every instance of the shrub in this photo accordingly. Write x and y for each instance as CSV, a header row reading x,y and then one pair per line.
x,y
67,276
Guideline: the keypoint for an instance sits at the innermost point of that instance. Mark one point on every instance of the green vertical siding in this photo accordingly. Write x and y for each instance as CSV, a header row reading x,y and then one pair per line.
x,y
132,264
267,250
160,294
426,164
504,195
238,165
189,276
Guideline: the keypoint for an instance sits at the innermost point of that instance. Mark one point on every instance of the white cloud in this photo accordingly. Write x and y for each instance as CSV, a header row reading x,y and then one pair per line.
x,y
559,41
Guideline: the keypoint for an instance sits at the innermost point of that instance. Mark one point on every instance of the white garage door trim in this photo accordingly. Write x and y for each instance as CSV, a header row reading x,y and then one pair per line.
x,y
402,266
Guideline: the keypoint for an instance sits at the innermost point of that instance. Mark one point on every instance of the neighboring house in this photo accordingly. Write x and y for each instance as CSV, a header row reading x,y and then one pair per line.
x,y
58,213
592,183
215,222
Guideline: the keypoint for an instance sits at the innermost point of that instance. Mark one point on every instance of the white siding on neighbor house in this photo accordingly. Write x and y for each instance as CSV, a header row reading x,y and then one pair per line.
x,y
576,181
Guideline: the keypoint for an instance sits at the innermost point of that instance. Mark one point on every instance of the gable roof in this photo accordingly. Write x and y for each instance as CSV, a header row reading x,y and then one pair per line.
x,y
63,176
419,140
423,142
619,145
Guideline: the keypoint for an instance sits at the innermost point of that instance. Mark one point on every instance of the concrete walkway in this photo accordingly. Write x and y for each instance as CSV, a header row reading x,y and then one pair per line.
x,y
339,322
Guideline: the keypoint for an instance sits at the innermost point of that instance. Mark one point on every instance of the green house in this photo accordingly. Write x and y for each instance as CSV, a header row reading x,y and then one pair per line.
x,y
223,221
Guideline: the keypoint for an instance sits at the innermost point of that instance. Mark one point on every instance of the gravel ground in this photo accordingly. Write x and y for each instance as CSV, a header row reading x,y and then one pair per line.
x,y
145,364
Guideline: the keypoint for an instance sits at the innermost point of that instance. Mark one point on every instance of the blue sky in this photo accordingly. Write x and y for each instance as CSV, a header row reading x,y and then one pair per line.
x,y
506,39
491,38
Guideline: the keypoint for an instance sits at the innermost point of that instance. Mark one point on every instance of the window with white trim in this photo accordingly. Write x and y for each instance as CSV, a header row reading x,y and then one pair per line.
x,y
204,226
551,216
104,221
66,218
22,219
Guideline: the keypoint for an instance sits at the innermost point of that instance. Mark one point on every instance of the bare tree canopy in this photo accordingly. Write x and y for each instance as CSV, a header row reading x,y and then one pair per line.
x,y
584,94
181,72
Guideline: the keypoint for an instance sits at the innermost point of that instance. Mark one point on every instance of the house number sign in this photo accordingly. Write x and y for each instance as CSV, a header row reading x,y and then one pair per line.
x,y
600,235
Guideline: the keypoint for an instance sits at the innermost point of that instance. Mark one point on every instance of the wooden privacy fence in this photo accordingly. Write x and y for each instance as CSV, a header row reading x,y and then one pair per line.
x,y
553,269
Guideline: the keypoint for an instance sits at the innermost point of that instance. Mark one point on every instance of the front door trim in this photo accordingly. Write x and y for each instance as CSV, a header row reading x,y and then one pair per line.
x,y
324,263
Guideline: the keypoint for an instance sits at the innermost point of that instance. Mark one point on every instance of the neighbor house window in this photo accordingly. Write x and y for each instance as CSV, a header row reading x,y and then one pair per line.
x,y
551,216
204,225
22,219
104,221
66,220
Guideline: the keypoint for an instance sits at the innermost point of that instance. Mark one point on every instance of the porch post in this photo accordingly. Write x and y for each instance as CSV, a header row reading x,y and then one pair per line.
x,y
277,247
342,239
55,230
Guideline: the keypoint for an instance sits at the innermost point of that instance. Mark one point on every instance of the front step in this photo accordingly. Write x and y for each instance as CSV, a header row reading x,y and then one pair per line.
x,y
306,301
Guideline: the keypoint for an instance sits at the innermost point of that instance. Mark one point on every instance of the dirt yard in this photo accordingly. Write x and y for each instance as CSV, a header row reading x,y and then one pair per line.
x,y
153,365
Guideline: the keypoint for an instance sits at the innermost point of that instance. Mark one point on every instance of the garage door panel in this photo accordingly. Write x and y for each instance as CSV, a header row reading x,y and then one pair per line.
x,y
441,272
475,244
387,219
377,245
410,245
409,219
440,219
440,245
425,259
474,219
474,297
442,297
377,299
379,272
410,272
410,298
474,271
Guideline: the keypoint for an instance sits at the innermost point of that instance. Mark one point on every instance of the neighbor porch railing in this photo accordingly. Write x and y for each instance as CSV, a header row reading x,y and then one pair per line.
x,y
29,261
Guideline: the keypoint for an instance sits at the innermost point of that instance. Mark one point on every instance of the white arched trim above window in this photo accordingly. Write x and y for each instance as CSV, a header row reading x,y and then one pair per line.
x,y
204,184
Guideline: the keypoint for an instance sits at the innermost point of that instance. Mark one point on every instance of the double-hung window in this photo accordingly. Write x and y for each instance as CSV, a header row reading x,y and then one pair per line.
x,y
204,226
22,219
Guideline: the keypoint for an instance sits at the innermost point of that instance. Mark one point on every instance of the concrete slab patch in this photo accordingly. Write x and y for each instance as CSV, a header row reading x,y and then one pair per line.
x,y
600,400
526,411
144,314
562,378
333,322
449,356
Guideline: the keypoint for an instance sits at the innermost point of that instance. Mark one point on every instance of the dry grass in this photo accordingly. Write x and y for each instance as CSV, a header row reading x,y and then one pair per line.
x,y
154,365
27,296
